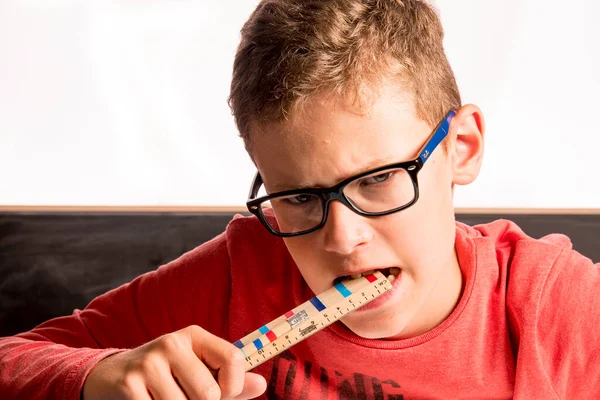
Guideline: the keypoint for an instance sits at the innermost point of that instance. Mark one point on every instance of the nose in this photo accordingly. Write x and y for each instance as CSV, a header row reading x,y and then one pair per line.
x,y
345,230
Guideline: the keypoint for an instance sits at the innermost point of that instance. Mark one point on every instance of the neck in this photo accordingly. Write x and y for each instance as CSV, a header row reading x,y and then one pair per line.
x,y
442,300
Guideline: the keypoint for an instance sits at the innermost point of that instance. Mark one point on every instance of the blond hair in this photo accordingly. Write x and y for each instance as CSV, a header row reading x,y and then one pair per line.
x,y
293,50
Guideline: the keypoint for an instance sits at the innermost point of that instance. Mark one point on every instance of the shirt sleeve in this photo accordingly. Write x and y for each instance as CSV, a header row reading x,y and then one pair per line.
x,y
567,324
53,360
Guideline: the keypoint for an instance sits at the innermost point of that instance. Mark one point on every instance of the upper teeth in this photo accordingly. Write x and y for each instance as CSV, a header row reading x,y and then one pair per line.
x,y
394,271
356,276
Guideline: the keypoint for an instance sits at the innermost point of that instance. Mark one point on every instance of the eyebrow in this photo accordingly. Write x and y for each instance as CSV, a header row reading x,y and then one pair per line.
x,y
280,187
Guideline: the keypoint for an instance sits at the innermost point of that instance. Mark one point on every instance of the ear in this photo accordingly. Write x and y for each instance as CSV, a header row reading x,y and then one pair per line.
x,y
467,129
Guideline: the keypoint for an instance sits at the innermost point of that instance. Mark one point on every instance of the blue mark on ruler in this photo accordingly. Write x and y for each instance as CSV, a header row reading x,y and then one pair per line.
x,y
343,289
317,303
239,344
263,329
258,344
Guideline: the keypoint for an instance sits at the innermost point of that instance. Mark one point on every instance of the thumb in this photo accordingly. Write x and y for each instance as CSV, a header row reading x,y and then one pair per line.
x,y
254,386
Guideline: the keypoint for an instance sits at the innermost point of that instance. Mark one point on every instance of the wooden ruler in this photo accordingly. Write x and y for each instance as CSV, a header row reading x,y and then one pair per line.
x,y
310,317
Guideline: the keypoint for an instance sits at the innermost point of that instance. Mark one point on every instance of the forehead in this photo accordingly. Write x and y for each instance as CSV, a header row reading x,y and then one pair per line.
x,y
331,138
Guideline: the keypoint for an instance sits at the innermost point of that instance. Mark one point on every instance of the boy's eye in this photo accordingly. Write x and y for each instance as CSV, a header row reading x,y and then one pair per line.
x,y
373,180
300,199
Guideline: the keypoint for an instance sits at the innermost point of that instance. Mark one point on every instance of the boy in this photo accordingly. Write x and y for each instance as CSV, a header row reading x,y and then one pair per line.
x,y
353,106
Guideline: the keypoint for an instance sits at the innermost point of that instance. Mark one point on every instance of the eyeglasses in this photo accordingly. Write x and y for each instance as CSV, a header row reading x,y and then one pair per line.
x,y
377,192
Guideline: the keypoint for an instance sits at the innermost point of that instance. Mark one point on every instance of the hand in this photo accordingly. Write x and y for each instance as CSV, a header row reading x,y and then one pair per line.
x,y
180,365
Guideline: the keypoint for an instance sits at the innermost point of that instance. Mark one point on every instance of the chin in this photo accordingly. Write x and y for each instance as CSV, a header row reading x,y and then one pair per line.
x,y
375,329
382,333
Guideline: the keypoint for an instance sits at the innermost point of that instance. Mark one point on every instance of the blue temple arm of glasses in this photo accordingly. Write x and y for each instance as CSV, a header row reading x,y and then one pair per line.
x,y
439,135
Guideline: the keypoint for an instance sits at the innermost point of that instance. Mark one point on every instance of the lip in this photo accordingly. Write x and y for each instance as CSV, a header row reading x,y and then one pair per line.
x,y
361,272
381,300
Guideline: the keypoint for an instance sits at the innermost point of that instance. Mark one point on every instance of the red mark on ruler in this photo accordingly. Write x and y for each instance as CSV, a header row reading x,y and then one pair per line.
x,y
272,336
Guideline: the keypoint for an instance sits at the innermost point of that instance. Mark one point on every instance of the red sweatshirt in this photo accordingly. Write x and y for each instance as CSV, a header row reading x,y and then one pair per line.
x,y
524,327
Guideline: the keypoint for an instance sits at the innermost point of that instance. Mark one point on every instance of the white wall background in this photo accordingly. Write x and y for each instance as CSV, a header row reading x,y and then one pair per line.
x,y
124,102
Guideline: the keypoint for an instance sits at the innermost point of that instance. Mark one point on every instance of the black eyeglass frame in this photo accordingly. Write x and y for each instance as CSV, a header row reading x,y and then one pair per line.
x,y
336,192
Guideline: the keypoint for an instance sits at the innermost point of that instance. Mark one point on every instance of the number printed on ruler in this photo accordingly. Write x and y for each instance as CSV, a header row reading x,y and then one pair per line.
x,y
310,317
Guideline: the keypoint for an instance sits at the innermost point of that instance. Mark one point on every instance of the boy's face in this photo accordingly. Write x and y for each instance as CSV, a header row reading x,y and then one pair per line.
x,y
332,140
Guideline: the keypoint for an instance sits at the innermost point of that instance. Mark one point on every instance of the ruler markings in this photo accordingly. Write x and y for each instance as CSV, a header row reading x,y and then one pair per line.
x,y
309,318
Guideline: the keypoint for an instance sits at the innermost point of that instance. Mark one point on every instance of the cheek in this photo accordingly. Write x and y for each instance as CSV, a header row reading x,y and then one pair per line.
x,y
304,251
435,180
434,211
422,236
401,234
420,244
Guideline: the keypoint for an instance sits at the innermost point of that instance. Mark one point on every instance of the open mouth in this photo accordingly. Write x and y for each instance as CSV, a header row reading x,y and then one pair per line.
x,y
390,273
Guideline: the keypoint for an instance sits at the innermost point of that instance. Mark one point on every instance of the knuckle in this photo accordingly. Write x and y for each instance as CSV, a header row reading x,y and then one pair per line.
x,y
195,330
235,356
151,363
170,343
129,384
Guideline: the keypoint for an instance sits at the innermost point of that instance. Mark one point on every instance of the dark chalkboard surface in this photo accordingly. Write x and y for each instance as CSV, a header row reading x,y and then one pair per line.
x,y
52,263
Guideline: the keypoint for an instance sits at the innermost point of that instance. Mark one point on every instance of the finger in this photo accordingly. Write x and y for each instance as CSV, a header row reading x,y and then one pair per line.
x,y
160,380
231,372
254,386
165,388
134,387
221,356
196,379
